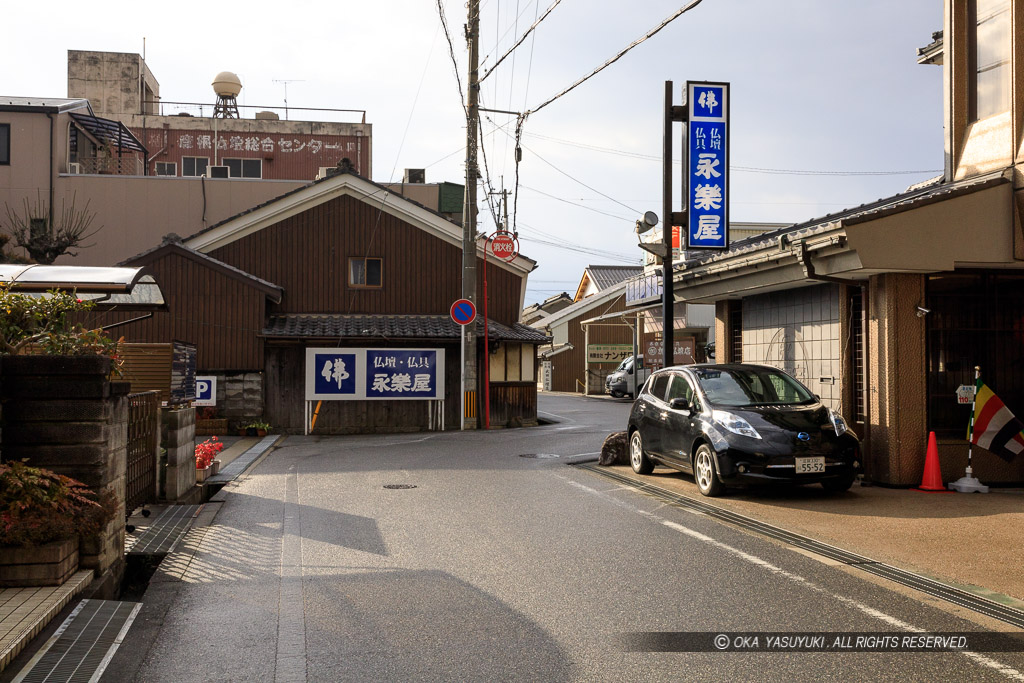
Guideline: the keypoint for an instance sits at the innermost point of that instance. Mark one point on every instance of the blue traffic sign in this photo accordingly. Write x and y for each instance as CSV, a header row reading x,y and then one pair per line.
x,y
463,311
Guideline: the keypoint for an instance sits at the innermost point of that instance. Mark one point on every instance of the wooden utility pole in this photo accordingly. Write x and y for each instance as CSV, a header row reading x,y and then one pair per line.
x,y
469,355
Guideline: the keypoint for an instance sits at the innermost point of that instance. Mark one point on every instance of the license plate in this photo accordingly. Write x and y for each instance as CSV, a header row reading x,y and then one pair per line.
x,y
809,465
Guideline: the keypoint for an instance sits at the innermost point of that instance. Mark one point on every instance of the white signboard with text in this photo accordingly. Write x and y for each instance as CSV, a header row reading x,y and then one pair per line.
x,y
346,374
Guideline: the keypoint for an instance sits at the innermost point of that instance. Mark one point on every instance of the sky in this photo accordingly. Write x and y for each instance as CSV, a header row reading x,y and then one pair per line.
x,y
831,90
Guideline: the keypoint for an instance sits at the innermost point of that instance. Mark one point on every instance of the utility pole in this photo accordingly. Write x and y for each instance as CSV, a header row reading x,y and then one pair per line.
x,y
469,337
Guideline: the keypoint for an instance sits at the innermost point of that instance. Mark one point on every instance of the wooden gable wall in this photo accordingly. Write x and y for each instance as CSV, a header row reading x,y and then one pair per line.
x,y
220,314
307,255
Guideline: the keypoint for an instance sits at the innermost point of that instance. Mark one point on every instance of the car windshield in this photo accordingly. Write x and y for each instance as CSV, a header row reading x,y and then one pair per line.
x,y
625,364
751,386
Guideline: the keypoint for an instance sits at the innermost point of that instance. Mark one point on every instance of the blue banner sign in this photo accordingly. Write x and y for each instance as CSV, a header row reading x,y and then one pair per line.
x,y
708,165
345,374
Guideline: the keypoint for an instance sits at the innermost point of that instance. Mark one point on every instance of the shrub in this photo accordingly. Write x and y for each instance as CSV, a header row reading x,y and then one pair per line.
x,y
207,451
43,324
38,506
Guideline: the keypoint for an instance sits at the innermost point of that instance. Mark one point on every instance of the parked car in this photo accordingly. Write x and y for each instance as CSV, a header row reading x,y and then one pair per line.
x,y
737,425
623,380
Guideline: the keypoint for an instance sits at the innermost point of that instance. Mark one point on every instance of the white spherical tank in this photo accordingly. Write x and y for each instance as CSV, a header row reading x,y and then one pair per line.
x,y
227,84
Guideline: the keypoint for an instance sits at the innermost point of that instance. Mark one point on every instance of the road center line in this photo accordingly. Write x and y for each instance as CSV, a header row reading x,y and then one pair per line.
x,y
291,620
980,659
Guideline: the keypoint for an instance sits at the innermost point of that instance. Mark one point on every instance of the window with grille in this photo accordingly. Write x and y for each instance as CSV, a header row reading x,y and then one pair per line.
x,y
857,354
244,168
975,319
194,166
735,331
365,272
5,144
166,168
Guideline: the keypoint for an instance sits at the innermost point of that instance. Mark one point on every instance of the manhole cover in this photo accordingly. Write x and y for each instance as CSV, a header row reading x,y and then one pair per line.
x,y
399,486
539,455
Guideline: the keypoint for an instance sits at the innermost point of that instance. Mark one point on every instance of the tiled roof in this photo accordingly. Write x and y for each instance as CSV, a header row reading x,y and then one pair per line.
x,y
606,276
389,327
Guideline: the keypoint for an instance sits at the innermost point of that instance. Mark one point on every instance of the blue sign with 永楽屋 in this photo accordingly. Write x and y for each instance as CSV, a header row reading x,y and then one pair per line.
x,y
343,374
708,165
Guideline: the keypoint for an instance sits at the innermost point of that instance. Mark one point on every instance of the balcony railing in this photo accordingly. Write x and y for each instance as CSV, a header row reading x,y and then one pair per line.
x,y
125,165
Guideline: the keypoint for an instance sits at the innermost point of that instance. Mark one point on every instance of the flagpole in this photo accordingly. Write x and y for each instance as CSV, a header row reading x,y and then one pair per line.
x,y
967,483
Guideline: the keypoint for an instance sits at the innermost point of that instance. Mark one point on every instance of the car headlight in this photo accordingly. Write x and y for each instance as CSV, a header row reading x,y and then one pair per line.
x,y
734,423
838,423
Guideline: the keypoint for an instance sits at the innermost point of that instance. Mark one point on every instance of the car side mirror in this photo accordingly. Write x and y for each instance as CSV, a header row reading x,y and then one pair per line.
x,y
680,404
629,371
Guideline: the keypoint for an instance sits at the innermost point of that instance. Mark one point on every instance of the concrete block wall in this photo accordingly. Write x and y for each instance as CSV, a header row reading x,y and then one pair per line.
x,y
178,434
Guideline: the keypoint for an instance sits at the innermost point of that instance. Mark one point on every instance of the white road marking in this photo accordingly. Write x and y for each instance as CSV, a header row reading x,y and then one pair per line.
x,y
1005,670
291,621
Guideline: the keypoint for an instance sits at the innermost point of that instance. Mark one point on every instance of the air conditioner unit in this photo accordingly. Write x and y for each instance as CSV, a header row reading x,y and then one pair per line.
x,y
217,172
74,167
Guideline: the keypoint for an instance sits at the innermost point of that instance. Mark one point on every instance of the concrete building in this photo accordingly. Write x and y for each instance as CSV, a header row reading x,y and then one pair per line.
x,y
884,310
141,175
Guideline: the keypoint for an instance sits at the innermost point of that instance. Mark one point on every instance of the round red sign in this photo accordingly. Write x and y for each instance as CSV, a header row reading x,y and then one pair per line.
x,y
504,246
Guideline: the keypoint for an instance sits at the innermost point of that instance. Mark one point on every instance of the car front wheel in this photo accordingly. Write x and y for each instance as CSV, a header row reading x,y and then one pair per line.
x,y
704,472
637,458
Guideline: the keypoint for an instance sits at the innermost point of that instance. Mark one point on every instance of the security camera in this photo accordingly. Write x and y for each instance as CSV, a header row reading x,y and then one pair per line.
x,y
922,311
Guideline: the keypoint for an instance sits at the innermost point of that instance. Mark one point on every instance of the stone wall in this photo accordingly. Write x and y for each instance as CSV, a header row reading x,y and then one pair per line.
x,y
239,397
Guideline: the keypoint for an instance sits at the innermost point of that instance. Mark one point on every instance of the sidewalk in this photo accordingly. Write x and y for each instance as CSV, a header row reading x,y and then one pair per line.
x,y
969,539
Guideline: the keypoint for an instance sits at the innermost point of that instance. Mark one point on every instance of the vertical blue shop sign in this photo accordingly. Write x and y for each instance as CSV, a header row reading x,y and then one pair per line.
x,y
708,165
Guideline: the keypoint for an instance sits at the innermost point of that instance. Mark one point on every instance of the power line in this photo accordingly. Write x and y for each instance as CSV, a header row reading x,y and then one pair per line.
x,y
619,56
451,52
746,169
522,38
567,201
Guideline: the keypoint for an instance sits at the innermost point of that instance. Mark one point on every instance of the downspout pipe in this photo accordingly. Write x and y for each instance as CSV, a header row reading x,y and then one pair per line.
x,y
805,261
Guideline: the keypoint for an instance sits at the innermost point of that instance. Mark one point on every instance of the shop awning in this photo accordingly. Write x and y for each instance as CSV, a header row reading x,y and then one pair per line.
x,y
425,327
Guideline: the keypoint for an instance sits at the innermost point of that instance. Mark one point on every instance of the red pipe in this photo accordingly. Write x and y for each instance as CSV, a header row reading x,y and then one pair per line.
x,y
487,351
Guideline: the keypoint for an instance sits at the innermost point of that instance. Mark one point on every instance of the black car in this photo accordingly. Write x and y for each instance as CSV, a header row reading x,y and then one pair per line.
x,y
740,424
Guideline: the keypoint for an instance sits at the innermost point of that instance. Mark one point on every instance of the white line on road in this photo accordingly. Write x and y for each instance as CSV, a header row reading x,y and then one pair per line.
x,y
291,620
980,659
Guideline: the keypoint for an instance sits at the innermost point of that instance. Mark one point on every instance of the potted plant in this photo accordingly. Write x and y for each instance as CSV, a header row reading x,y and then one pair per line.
x,y
205,454
258,428
42,515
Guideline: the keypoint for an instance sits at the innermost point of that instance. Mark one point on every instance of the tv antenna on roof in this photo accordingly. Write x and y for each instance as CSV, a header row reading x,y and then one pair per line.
x,y
285,82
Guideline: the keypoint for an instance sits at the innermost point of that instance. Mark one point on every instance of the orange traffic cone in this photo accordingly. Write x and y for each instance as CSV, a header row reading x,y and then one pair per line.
x,y
932,479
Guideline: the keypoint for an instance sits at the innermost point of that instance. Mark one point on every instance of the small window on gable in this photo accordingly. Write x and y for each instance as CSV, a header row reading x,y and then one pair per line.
x,y
365,272
166,168
5,144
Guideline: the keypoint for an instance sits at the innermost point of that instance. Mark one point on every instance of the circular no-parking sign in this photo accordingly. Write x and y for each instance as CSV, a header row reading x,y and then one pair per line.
x,y
463,311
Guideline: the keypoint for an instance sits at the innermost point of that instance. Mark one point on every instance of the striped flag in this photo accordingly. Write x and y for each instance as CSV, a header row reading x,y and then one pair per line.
x,y
995,427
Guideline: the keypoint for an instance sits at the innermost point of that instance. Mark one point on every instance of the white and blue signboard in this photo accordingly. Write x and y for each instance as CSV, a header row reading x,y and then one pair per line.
x,y
344,374
708,165
206,390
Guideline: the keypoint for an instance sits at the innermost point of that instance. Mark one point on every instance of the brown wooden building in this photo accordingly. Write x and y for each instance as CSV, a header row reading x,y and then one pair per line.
x,y
339,263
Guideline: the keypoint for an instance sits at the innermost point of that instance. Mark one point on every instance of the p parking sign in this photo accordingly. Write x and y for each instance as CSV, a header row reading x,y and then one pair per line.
x,y
206,391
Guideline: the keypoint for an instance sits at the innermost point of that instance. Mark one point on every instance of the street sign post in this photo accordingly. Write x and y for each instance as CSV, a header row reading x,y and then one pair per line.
x,y
504,246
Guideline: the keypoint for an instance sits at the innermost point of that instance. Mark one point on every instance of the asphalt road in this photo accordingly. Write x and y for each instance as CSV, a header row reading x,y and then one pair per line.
x,y
497,566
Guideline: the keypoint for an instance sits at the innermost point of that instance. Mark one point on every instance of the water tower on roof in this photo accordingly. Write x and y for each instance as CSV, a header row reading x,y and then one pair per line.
x,y
227,86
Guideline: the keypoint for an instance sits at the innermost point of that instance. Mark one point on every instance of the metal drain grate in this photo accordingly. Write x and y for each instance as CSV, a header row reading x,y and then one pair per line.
x,y
539,456
928,586
163,535
399,486
240,464
83,646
